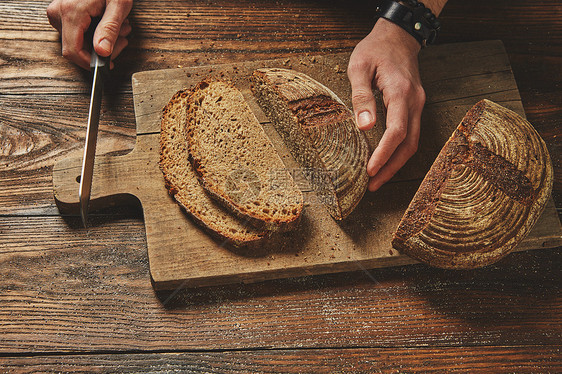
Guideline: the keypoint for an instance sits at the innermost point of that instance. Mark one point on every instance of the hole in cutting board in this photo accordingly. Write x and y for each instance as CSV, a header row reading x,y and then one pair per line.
x,y
78,179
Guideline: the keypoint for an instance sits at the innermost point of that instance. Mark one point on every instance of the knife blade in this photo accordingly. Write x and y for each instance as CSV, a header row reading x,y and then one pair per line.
x,y
100,68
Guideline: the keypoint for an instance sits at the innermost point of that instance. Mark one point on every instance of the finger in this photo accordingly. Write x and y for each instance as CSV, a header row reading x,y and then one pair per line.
x,y
125,28
108,29
361,78
399,158
53,14
120,44
73,40
395,133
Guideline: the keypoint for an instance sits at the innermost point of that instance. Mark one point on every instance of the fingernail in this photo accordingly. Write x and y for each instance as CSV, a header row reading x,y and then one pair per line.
x,y
106,45
364,119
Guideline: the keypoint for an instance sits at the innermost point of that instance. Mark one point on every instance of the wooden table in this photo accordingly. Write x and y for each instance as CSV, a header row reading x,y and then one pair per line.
x,y
73,299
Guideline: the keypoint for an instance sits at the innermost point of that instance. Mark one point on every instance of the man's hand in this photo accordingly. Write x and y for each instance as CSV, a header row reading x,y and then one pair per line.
x,y
72,18
387,59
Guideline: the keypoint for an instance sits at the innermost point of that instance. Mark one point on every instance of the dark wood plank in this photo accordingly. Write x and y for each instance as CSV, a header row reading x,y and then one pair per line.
x,y
36,132
525,27
317,361
193,33
66,289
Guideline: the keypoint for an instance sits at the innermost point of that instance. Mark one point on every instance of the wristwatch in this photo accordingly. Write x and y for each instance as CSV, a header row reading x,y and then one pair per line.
x,y
412,16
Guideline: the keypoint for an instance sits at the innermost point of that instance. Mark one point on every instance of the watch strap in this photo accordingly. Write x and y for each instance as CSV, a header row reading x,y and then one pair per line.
x,y
414,18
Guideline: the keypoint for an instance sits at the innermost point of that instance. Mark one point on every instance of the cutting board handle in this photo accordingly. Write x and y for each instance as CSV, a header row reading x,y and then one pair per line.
x,y
117,180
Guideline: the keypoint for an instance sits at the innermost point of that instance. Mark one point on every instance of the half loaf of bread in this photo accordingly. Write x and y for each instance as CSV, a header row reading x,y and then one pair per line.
x,y
183,184
483,194
321,134
235,159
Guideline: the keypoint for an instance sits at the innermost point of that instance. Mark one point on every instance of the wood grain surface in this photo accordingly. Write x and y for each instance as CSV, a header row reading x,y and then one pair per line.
x,y
315,361
74,299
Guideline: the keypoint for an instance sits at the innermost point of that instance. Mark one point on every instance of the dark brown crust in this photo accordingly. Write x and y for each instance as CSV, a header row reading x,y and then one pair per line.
x,y
422,206
501,173
471,118
459,151
319,110
182,94
462,151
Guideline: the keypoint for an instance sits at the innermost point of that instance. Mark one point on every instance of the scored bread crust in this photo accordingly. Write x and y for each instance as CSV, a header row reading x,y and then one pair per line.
x,y
183,184
235,160
320,133
485,191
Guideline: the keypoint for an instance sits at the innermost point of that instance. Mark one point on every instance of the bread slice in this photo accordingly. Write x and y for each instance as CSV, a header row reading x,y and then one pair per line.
x,y
235,159
483,194
183,184
320,133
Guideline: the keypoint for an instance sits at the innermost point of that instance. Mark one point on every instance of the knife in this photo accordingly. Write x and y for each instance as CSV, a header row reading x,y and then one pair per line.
x,y
100,68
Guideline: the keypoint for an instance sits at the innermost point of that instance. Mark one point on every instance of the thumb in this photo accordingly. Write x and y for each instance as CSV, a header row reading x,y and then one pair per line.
x,y
362,97
108,29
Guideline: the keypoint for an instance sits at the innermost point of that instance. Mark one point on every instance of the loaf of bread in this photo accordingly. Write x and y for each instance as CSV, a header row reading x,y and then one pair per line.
x,y
483,194
237,163
321,134
182,182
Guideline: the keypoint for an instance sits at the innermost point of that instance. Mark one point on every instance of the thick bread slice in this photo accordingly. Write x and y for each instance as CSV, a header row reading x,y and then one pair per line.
x,y
320,133
483,194
182,182
235,159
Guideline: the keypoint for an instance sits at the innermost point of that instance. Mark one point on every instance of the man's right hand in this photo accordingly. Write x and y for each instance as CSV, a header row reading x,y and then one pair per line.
x,y
72,18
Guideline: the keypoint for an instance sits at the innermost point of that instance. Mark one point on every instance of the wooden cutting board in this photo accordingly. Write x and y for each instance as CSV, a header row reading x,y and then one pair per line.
x,y
181,254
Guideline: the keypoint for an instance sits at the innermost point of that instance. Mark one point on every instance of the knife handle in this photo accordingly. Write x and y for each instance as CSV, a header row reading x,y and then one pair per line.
x,y
101,62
